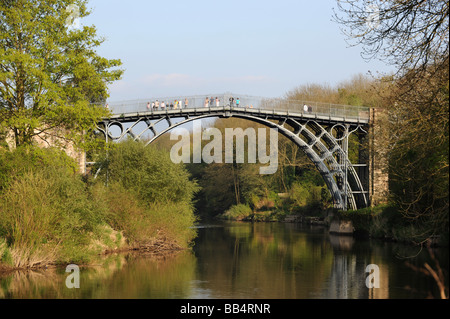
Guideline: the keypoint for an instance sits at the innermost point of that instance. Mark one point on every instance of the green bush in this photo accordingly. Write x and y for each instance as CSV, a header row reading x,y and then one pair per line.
x,y
148,195
237,212
149,173
45,210
25,158
5,253
142,222
48,214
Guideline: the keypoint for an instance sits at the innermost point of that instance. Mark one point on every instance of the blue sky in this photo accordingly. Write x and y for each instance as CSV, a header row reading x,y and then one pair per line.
x,y
263,48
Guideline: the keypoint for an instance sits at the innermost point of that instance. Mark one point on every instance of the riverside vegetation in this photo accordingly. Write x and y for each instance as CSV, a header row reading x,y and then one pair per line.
x,y
50,214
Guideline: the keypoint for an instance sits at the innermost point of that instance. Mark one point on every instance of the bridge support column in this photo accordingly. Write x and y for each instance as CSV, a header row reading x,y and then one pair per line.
x,y
378,157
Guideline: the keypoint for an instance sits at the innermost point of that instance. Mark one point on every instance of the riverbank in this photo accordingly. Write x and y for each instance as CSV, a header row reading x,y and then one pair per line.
x,y
159,248
384,223
52,215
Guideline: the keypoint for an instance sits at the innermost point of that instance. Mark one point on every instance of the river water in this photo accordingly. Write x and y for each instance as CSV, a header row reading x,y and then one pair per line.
x,y
247,261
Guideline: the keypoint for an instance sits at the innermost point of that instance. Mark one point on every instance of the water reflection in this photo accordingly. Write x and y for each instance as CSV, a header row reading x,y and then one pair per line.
x,y
241,260
122,276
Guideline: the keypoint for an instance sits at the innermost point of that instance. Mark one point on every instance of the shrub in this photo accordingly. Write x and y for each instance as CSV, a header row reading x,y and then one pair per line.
x,y
149,173
46,213
237,212
148,196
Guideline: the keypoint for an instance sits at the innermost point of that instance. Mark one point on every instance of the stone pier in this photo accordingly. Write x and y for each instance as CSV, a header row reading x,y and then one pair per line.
x,y
378,157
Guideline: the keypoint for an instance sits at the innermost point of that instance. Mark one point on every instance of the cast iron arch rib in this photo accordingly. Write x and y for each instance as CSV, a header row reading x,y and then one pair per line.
x,y
314,138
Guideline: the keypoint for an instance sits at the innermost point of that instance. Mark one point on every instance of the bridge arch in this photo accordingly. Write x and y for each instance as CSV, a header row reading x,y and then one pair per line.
x,y
327,152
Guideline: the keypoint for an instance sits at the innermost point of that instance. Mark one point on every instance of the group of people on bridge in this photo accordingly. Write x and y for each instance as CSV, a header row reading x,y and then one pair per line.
x,y
179,104
208,102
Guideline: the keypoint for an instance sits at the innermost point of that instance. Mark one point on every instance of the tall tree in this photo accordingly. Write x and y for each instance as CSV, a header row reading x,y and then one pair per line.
x,y
413,36
52,81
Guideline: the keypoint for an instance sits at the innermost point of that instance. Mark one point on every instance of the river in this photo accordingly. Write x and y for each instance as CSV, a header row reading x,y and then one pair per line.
x,y
246,261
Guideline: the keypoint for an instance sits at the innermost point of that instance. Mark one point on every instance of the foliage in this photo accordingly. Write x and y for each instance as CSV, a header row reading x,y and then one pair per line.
x,y
149,173
306,196
142,223
419,149
25,158
359,90
237,212
48,214
148,196
51,78
45,210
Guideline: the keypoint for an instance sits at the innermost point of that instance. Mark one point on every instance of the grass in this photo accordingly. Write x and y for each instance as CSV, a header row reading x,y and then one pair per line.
x,y
49,214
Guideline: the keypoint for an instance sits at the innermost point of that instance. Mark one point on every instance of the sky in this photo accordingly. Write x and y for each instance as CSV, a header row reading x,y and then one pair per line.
x,y
203,47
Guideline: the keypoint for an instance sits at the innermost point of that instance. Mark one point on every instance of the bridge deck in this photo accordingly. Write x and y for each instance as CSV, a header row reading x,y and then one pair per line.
x,y
358,116
235,104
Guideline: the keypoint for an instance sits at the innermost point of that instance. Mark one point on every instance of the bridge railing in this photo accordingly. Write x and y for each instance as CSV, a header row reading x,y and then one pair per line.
x,y
318,108
242,101
197,101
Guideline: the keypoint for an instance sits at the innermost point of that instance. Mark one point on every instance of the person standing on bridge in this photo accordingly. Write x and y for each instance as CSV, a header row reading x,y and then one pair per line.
x,y
306,108
148,106
180,104
175,105
163,105
217,101
207,102
238,101
186,103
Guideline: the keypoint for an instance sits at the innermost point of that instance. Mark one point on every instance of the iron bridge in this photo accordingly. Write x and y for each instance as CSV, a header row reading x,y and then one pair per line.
x,y
321,130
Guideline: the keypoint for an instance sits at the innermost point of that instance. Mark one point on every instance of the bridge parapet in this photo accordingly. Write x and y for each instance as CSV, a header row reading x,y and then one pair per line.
x,y
236,101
